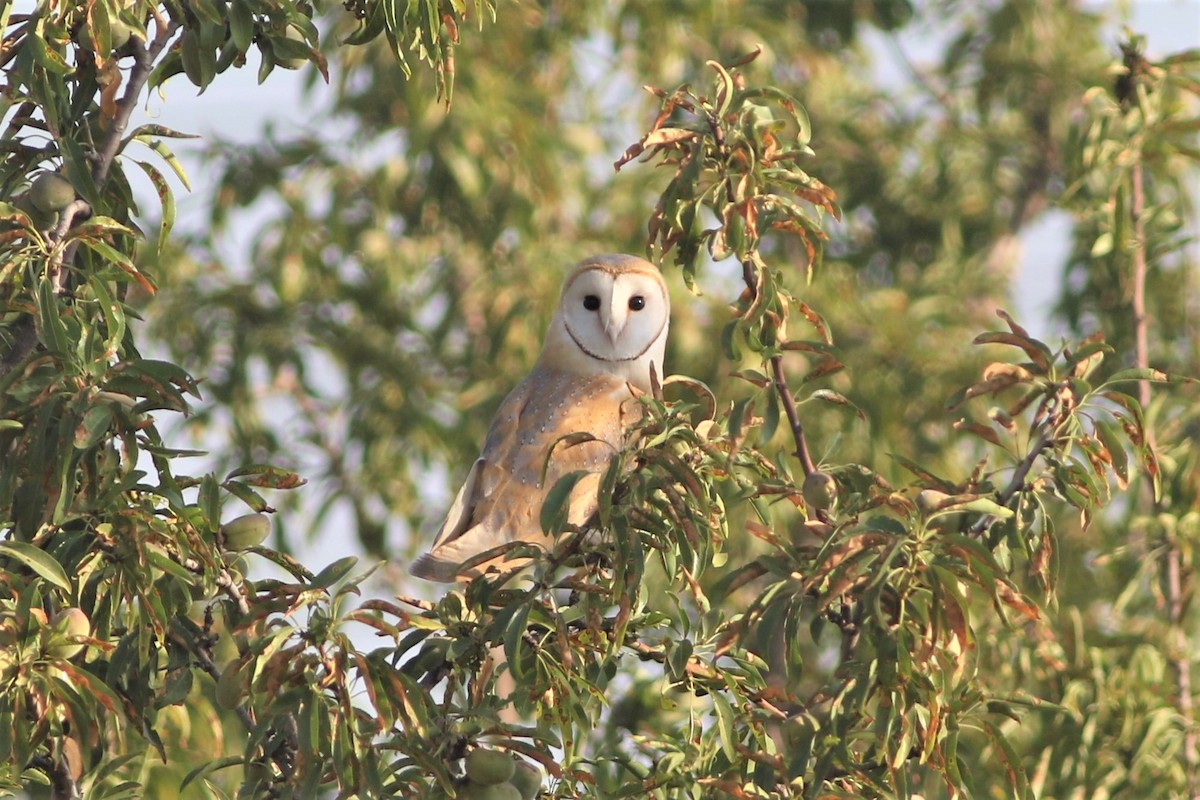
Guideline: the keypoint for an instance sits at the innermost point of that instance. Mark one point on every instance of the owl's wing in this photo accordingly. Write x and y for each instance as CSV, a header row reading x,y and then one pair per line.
x,y
501,499
449,549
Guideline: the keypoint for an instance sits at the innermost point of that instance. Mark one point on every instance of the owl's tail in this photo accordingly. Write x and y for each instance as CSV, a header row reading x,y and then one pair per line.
x,y
432,568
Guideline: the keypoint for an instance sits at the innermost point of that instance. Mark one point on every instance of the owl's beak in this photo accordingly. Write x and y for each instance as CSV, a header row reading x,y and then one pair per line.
x,y
614,322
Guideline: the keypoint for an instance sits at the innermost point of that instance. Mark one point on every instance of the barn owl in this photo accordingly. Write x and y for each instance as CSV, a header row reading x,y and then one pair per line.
x,y
605,341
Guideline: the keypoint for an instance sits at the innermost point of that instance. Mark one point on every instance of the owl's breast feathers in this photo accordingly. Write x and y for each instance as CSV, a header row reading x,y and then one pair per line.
x,y
501,499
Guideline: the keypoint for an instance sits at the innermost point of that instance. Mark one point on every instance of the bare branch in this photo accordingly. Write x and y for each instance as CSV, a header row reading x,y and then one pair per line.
x,y
143,64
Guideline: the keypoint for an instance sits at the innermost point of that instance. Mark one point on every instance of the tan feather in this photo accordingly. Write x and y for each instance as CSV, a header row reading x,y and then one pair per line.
x,y
501,500
594,362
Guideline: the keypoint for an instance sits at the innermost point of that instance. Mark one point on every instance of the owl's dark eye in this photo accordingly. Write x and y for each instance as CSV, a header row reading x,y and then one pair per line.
x,y
637,302
591,302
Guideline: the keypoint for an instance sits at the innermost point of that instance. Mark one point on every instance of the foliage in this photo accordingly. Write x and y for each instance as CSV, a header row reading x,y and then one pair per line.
x,y
961,597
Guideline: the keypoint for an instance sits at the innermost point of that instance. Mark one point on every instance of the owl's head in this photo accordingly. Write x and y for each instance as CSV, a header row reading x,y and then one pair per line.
x,y
612,317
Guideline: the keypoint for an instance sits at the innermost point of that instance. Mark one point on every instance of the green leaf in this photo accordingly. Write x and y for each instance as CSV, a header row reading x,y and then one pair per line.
x,y
1152,375
247,495
210,501
48,57
678,654
166,153
557,505
1115,444
166,201
169,566
789,104
121,260
114,315
725,716
371,26
39,561
52,331
514,632
266,476
241,25
982,505
333,573
1004,749
1103,245
94,425
210,767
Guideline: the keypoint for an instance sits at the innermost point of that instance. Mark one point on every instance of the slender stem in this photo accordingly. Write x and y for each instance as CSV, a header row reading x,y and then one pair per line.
x,y
1173,572
701,670
1141,347
793,418
779,379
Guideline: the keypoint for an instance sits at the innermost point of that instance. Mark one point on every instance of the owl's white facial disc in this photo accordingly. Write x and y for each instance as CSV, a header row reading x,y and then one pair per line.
x,y
615,316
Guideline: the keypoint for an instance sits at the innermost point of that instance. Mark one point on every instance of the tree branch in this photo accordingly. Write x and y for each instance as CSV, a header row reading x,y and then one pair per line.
x,y
1173,571
793,418
143,64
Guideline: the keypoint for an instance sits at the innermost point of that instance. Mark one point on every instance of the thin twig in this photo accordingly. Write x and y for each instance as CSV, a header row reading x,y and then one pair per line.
x,y
60,277
1140,335
779,379
23,116
10,47
793,418
204,660
697,668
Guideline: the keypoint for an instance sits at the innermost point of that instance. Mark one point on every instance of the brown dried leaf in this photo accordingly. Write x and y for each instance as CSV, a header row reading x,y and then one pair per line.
x,y
666,136
984,432
1012,325
1037,352
1017,601
72,755
817,321
633,151
956,621
852,546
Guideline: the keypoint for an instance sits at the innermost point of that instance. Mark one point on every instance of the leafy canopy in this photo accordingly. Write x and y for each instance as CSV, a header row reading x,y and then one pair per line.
x,y
865,542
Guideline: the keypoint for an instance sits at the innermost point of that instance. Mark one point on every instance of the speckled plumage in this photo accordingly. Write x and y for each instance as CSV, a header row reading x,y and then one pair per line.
x,y
594,362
